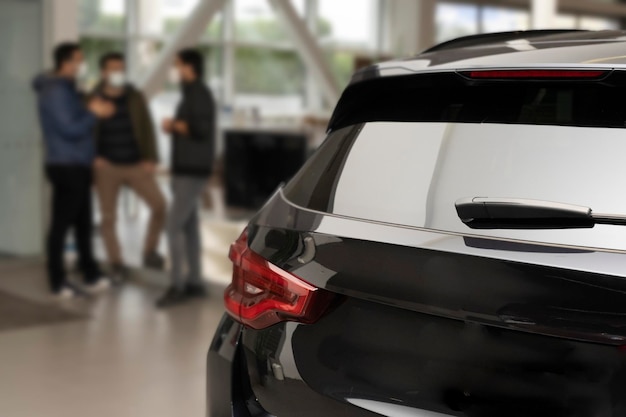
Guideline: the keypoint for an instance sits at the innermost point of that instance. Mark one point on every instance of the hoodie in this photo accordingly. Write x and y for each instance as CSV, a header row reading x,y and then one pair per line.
x,y
66,123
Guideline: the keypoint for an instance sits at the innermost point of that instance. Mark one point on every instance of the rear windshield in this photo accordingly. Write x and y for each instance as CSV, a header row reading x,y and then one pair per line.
x,y
451,97
404,153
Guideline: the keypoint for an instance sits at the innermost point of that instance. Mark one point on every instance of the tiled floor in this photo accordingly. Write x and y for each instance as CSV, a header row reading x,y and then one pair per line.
x,y
125,360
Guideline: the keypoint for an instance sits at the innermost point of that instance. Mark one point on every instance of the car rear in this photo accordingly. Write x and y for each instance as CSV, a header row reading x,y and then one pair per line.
x,y
359,291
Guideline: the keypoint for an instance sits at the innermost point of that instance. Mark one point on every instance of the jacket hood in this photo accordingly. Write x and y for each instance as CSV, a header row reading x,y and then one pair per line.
x,y
47,79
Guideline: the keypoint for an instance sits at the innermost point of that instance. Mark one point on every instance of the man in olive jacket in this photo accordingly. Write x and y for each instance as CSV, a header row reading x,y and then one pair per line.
x,y
126,155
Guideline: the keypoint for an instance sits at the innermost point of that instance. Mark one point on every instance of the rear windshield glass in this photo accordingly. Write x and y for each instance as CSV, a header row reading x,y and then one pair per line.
x,y
451,97
553,142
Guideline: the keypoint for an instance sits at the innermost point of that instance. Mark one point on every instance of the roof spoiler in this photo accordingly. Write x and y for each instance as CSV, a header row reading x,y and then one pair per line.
x,y
485,38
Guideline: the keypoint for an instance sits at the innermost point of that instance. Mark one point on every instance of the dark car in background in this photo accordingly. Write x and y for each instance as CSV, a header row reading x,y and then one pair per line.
x,y
455,247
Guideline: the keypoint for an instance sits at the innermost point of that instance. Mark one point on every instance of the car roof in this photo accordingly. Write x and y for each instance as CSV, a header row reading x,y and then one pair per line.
x,y
523,49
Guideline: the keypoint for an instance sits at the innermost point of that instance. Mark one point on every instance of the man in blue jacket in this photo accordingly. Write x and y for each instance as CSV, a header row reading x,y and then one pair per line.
x,y
67,124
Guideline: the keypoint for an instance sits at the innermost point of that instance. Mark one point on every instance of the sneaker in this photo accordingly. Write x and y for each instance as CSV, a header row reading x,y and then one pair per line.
x,y
119,274
154,260
172,296
196,290
71,291
65,293
101,285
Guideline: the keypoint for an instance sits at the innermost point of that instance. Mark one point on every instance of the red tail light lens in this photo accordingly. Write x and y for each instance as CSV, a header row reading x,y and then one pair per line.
x,y
535,74
261,294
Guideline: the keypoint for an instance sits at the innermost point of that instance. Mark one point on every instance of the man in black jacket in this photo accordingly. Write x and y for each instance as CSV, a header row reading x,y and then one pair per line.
x,y
193,133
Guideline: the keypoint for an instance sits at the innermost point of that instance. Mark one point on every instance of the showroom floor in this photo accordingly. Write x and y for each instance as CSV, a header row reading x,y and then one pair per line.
x,y
123,359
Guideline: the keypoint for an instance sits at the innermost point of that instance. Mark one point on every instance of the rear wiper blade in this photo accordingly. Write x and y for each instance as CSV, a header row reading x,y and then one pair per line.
x,y
516,213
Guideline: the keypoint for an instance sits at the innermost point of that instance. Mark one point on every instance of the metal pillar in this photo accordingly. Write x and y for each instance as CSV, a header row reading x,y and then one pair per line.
x,y
308,48
409,26
187,35
313,98
228,55
426,28
132,41
543,13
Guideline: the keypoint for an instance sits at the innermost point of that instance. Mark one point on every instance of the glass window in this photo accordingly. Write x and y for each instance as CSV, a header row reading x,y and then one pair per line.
x,y
500,19
94,48
256,21
598,23
348,22
164,17
454,20
146,54
565,21
212,61
268,71
421,149
102,15
343,65
423,169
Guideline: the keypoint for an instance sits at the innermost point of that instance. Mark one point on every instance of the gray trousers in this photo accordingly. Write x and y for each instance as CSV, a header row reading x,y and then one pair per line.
x,y
183,230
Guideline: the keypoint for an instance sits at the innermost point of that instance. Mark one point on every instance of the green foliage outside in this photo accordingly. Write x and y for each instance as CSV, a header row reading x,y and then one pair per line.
x,y
342,65
267,71
90,18
94,48
258,70
213,31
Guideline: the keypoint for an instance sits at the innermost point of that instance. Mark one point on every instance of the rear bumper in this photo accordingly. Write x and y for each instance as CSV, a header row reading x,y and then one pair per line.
x,y
249,373
228,385
220,369
365,358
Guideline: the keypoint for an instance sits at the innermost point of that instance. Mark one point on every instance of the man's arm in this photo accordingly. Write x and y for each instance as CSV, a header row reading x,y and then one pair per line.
x,y
71,124
148,130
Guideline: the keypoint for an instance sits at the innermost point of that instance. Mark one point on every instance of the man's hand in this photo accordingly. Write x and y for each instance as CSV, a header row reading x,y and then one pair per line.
x,y
181,128
149,167
103,109
167,125
100,163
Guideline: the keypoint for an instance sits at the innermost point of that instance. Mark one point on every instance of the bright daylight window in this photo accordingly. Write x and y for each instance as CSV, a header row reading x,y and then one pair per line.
x,y
256,21
459,19
102,16
267,70
348,30
164,17
500,19
103,26
598,23
266,60
455,20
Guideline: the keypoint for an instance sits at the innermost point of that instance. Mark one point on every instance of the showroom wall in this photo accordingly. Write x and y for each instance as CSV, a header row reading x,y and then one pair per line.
x,y
21,39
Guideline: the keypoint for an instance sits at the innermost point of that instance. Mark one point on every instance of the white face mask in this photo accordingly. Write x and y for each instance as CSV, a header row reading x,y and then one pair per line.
x,y
173,76
83,71
116,79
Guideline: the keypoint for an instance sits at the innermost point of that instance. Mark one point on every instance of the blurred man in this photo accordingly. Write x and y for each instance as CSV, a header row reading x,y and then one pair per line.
x,y
67,125
126,156
193,133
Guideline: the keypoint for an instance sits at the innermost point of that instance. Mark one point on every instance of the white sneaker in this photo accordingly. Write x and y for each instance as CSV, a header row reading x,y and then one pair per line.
x,y
65,293
101,285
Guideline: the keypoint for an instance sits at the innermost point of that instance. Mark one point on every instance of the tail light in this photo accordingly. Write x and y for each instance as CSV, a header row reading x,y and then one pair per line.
x,y
535,74
261,294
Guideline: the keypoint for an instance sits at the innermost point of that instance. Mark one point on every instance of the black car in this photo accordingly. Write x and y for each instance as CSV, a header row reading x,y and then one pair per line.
x,y
455,247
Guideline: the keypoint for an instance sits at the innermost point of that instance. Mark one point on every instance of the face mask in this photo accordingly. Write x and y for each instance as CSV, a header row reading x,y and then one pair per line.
x,y
173,76
83,70
116,79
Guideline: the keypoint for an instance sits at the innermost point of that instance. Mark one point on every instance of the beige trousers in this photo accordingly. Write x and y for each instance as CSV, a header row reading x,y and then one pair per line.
x,y
109,180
